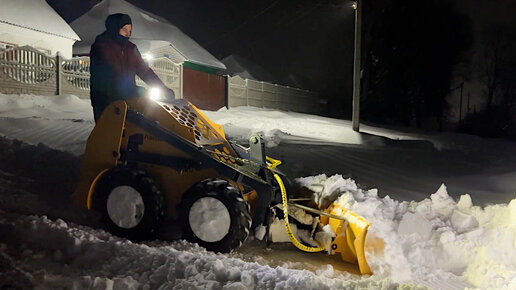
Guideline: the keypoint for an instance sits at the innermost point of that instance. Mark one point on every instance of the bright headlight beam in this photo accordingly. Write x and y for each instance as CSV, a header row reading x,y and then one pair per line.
x,y
155,94
147,56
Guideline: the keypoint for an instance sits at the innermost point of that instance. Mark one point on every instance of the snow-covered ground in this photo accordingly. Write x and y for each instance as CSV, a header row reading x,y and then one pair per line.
x,y
440,202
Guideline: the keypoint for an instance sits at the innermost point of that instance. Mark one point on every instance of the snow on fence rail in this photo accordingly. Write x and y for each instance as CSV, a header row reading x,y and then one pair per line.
x,y
246,92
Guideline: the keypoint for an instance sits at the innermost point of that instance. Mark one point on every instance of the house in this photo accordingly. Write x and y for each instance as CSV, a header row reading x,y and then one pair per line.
x,y
152,34
202,82
246,69
35,23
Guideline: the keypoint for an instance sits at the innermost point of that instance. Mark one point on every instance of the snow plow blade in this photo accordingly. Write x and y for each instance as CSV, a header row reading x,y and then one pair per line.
x,y
350,232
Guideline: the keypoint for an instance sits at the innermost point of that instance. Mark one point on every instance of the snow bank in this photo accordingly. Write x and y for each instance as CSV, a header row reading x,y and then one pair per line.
x,y
61,122
277,125
87,258
48,107
433,238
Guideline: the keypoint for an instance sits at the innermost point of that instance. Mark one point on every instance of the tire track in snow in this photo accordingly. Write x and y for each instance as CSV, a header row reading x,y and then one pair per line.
x,y
351,162
63,135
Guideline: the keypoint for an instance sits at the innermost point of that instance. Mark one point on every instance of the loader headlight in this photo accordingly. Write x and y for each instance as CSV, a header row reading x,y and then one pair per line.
x,y
147,56
156,94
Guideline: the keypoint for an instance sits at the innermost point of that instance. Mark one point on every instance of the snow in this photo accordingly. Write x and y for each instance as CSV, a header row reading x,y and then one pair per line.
x,y
149,31
452,237
36,15
125,206
435,237
209,219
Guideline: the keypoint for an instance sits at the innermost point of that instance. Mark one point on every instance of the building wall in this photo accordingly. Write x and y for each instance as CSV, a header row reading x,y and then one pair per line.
x,y
206,91
47,43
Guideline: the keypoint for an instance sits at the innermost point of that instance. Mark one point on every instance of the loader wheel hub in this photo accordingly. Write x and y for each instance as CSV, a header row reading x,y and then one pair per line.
x,y
125,206
209,219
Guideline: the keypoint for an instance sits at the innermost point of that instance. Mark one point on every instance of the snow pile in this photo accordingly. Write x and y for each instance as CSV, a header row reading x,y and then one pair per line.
x,y
77,257
48,107
433,238
277,125
61,122
278,233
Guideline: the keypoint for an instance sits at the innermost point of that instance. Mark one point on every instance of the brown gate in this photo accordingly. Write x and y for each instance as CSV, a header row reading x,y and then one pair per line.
x,y
206,91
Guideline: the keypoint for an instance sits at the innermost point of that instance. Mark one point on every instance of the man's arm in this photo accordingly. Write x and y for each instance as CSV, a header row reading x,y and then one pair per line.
x,y
145,72
148,75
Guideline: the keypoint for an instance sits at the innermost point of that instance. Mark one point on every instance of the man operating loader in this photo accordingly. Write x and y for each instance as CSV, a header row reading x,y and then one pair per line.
x,y
114,63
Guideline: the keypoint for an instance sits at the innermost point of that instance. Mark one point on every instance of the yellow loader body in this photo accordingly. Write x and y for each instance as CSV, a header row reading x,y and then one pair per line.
x,y
175,158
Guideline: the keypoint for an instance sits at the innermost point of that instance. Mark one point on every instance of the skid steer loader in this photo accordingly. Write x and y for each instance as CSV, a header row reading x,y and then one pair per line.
x,y
147,161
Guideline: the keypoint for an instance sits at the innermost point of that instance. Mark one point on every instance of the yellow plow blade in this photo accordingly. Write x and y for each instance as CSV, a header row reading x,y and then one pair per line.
x,y
350,231
350,238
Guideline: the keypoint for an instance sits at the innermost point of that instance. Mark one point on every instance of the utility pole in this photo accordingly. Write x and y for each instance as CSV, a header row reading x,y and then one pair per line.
x,y
357,72
469,95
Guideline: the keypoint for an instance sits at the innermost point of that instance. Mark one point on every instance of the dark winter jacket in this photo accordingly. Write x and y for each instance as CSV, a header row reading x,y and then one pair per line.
x,y
114,63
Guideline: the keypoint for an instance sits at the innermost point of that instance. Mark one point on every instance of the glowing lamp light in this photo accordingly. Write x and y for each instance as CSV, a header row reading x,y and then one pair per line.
x,y
147,56
155,94
354,5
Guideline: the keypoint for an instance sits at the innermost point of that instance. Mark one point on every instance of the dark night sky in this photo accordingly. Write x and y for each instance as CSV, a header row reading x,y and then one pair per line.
x,y
301,42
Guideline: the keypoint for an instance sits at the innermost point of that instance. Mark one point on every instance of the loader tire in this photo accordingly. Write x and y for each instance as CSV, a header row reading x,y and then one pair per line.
x,y
131,204
214,215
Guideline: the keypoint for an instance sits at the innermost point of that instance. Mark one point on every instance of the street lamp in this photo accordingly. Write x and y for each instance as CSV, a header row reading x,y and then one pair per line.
x,y
355,117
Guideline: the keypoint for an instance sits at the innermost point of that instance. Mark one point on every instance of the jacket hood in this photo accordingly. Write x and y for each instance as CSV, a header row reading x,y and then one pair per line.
x,y
114,23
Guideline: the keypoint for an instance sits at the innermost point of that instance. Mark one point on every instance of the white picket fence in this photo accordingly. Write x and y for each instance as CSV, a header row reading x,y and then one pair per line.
x,y
25,70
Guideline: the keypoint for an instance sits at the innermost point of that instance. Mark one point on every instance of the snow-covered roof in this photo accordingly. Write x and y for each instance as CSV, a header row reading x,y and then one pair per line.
x,y
237,65
35,15
147,29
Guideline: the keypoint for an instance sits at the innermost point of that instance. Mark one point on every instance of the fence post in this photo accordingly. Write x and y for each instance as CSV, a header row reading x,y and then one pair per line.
x,y
246,93
226,91
181,78
59,70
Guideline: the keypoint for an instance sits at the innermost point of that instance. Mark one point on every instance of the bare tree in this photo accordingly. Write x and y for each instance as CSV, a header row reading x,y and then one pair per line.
x,y
497,52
